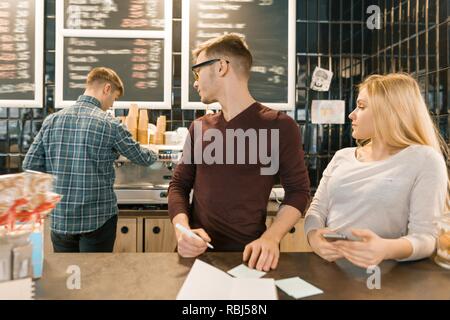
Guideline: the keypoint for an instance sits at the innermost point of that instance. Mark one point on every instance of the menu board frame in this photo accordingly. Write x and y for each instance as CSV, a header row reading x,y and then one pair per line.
x,y
165,35
186,63
38,101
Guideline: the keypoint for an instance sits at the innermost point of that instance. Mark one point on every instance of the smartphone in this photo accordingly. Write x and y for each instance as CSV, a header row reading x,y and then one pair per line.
x,y
334,236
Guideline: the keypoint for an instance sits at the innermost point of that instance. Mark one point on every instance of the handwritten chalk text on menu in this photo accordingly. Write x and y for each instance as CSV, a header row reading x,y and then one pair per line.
x,y
137,61
17,45
114,15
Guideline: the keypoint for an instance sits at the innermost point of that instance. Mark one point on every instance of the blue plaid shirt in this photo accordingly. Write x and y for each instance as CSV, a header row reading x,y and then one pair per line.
x,y
78,145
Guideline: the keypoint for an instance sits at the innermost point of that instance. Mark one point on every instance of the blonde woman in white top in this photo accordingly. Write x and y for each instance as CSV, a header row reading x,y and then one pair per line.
x,y
389,191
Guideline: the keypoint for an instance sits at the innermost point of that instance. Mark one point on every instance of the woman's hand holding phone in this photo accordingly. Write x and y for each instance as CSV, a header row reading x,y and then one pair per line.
x,y
325,249
370,250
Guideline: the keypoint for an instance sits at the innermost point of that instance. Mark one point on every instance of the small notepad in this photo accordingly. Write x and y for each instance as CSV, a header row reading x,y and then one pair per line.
x,y
297,288
22,289
242,271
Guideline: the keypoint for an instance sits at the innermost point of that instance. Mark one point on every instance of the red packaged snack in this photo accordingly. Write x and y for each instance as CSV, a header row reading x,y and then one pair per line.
x,y
25,198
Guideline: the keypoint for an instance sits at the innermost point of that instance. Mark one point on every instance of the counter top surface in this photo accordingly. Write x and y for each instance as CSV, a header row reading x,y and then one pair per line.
x,y
161,275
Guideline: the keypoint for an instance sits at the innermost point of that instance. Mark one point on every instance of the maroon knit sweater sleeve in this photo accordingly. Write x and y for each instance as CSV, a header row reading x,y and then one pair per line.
x,y
293,172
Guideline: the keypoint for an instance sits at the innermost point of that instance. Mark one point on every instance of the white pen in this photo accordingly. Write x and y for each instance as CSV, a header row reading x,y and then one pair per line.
x,y
191,234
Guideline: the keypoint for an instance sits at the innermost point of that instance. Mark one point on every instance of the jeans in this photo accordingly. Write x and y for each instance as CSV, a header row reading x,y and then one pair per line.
x,y
100,240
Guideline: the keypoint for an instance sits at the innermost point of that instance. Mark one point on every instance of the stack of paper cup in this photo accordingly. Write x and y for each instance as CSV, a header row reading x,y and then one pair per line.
x,y
143,127
131,120
160,130
151,133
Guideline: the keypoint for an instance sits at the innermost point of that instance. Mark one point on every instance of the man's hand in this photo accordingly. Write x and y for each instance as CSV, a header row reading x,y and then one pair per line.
x,y
370,251
262,254
323,248
189,247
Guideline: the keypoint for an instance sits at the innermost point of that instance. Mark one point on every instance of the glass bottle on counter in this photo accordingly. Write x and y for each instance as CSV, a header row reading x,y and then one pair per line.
x,y
443,242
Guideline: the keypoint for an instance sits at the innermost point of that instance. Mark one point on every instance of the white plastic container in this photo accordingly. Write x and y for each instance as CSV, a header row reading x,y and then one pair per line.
x,y
171,138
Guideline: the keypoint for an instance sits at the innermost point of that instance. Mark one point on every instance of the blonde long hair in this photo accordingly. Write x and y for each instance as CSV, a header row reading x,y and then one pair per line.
x,y
401,117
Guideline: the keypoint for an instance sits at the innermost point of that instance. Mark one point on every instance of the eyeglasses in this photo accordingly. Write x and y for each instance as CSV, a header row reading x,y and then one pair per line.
x,y
196,67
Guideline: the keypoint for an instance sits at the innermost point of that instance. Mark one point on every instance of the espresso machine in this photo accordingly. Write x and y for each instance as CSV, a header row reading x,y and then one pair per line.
x,y
139,187
143,186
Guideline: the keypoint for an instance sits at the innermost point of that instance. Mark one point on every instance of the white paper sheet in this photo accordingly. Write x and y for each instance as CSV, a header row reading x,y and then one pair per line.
x,y
297,288
242,271
205,282
22,289
328,111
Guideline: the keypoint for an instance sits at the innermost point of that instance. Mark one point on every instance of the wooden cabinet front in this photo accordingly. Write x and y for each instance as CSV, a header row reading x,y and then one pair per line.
x,y
294,240
156,234
159,235
126,235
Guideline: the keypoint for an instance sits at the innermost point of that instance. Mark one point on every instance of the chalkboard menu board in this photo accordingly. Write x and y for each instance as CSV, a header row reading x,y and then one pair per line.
x,y
140,59
21,53
132,37
120,14
269,29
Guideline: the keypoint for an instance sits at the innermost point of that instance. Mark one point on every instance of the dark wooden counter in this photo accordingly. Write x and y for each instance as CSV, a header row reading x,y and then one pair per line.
x,y
161,275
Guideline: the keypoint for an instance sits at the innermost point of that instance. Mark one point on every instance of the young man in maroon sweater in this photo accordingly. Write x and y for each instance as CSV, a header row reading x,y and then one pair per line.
x,y
225,163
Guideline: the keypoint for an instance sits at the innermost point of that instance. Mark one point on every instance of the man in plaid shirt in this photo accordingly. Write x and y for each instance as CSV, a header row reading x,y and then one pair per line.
x,y
78,145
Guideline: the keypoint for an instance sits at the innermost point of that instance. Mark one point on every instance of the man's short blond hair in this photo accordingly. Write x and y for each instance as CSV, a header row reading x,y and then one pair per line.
x,y
102,75
232,45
